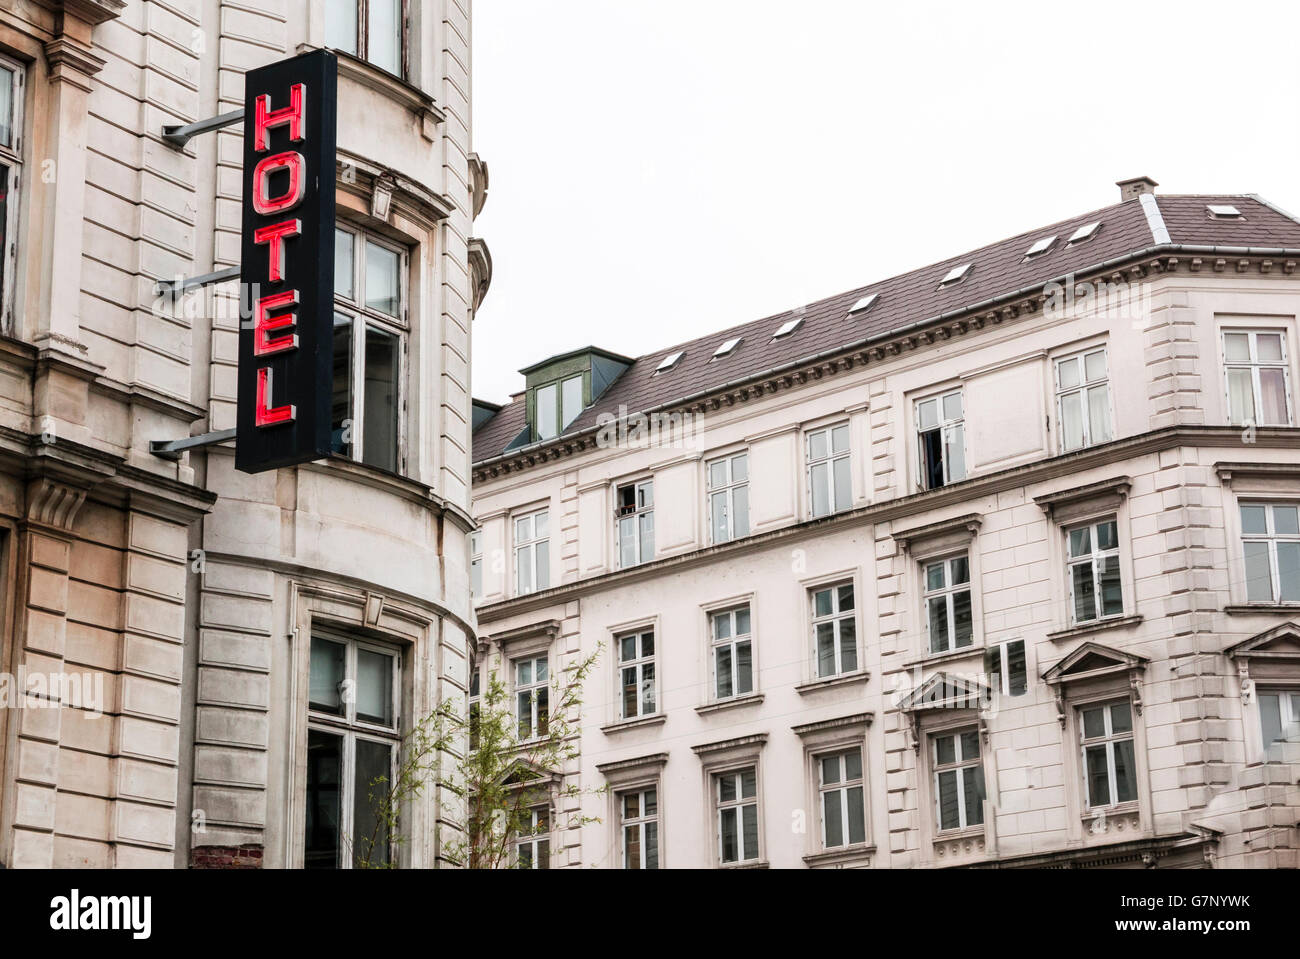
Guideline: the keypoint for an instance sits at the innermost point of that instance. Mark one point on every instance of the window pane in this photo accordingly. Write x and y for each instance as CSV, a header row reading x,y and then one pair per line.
x,y
843,484
370,841
381,279
548,424
384,36
1085,601
749,816
647,536
1094,723
341,25
324,765
647,689
927,414
1121,718
740,512
1259,577
1112,599
825,649
954,449
1268,347
961,614
744,670
1236,347
381,400
822,602
718,474
1254,519
572,399
718,509
1107,535
1080,542
1067,373
818,447
1272,397
973,794
831,818
1017,671
543,551
730,851
341,390
524,569
343,268
326,676
1125,773
857,816
938,606
630,690
1285,520
627,647
853,765
848,645
945,750
742,621
748,783
632,847
1270,717
821,497
524,713
1099,414
722,626
845,596
627,542
934,578
1241,396
1095,364
374,687
1288,571
840,439
949,815
1098,776
970,745
952,406
652,845
727,788
1072,421
932,459
960,570
740,468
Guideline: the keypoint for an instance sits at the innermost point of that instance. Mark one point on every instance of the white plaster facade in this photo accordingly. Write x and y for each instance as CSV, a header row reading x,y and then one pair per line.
x,y
1172,479
191,590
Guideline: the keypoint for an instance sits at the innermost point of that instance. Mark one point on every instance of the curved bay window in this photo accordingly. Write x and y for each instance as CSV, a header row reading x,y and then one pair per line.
x,y
373,30
370,326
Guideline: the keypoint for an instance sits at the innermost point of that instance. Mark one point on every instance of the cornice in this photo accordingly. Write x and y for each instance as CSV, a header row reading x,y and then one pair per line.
x,y
93,12
1163,260
969,523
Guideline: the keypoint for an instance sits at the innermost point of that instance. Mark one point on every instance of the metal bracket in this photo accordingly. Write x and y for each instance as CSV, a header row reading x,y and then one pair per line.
x,y
179,136
181,285
172,449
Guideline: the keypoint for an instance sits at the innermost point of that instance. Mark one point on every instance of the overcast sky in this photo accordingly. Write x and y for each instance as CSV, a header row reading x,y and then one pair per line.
x,y
664,168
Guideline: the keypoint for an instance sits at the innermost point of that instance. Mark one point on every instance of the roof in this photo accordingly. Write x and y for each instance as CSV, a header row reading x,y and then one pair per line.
x,y
997,270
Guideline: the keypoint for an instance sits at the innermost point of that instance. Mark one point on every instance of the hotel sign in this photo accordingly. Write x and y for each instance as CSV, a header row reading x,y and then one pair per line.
x,y
286,337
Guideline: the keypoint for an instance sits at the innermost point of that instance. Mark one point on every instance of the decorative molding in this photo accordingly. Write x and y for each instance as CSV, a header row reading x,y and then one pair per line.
x,y
480,269
737,703
969,523
1105,494
53,504
757,740
858,720
1097,626
653,761
72,62
641,722
818,685
1228,472
93,12
1115,663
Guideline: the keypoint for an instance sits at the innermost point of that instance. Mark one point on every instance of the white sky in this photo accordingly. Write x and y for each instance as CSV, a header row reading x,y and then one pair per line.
x,y
664,168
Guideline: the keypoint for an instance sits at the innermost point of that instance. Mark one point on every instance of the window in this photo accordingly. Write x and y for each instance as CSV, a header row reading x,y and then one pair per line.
x,y
532,697
864,304
737,807
949,622
830,480
729,497
835,642
788,327
955,275
1279,714
636,670
726,349
1040,247
352,742
640,811
636,524
558,405
733,657
1093,560
1083,400
1258,384
958,780
941,433
475,704
1007,670
370,29
1085,232
532,552
533,844
1108,754
11,130
476,564
668,362
843,810
369,348
1270,534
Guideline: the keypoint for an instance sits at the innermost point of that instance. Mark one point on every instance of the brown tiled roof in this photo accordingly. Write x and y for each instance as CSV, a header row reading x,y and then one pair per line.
x,y
997,270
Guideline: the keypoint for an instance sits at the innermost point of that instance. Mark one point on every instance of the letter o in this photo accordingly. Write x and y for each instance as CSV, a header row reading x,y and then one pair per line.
x,y
296,165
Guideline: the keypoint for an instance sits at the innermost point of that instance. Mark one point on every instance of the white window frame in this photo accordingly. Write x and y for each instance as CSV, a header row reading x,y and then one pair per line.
x,y
837,616
1109,740
738,804
362,40
638,663
833,457
842,787
731,642
947,428
564,414
964,767
360,317
640,824
533,687
1271,538
476,564
1084,389
725,495
999,666
537,840
639,488
473,701
1094,558
527,551
1254,365
350,728
1288,710
12,157
948,592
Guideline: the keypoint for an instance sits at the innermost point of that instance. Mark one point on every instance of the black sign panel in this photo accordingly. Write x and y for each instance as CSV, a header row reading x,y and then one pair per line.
x,y
286,337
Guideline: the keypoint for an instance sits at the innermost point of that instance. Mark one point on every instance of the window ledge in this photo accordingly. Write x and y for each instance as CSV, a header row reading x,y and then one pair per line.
x,y
622,725
948,835
951,655
861,852
753,864
1111,812
1248,609
736,703
1096,626
817,685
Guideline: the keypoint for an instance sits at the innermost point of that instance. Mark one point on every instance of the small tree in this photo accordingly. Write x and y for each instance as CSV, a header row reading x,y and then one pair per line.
x,y
501,776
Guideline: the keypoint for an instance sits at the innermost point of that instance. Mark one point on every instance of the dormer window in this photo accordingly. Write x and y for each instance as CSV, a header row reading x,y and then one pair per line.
x,y
669,361
788,327
558,405
864,304
727,348
1040,247
1085,232
955,275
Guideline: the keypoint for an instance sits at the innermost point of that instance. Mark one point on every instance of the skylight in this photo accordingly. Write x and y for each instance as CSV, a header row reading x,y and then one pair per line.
x,y
726,349
1041,246
1085,232
956,275
669,361
864,304
788,327
1223,211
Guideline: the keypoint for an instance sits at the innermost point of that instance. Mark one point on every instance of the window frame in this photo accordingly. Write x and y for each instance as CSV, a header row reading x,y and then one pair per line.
x,y
531,544
1084,389
362,317
731,641
1288,710
638,663
363,38
998,654
561,423
1109,741
12,157
830,461
640,823
949,593
837,616
738,804
1093,557
1254,365
1271,539
536,730
637,513
728,491
943,426
960,765
535,839
475,564
842,786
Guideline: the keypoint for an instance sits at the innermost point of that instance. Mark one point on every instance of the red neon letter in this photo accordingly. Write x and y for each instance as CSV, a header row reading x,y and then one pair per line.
x,y
263,414
275,236
263,202
267,119
265,325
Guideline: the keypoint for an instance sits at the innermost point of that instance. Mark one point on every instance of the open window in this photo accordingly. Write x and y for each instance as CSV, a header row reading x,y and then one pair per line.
x,y
941,440
635,523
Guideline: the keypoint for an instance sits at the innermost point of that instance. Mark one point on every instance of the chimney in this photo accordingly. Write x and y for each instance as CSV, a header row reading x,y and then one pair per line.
x,y
1128,189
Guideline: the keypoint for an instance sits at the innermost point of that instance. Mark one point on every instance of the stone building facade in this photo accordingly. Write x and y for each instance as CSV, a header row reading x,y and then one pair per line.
x,y
233,653
992,564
